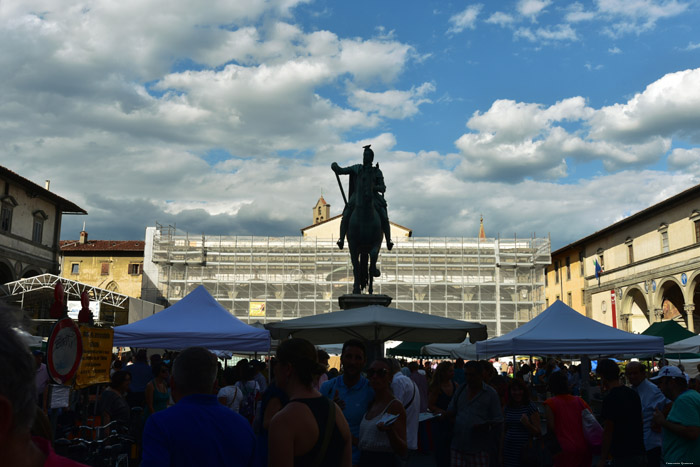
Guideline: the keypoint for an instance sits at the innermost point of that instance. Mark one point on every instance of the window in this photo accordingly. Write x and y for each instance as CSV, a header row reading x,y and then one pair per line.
x,y
663,231
38,230
38,226
601,258
556,272
568,299
568,268
664,241
135,268
319,210
580,261
697,231
6,217
75,268
558,298
583,298
546,279
546,303
105,269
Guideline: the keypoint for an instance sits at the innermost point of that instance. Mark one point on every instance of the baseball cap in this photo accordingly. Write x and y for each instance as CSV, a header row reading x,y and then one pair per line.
x,y
671,372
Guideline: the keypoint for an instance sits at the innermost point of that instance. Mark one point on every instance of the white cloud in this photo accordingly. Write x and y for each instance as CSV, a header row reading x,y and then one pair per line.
x,y
501,19
692,46
685,160
549,34
669,106
576,13
614,51
591,67
466,19
532,8
637,16
392,103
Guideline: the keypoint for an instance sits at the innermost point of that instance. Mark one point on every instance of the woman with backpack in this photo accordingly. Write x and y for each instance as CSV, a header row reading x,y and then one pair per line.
x,y
250,392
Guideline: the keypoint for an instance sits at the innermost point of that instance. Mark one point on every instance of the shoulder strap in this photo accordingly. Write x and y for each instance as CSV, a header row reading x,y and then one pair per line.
x,y
233,400
413,396
330,424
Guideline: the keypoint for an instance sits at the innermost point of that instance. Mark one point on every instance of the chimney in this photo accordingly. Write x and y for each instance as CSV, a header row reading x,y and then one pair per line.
x,y
47,184
83,236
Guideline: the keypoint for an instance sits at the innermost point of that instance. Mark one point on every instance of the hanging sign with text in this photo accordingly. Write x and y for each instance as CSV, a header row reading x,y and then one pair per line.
x,y
97,356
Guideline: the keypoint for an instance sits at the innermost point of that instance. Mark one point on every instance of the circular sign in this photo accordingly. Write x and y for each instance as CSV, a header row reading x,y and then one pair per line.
x,y
64,350
684,279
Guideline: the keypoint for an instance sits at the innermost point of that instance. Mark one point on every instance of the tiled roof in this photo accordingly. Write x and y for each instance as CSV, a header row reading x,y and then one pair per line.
x,y
65,205
103,245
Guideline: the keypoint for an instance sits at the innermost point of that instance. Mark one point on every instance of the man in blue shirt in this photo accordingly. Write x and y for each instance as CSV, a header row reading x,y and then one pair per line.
x,y
351,390
652,398
197,430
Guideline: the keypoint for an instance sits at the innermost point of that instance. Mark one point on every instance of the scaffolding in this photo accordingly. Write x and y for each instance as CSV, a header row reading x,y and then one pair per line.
x,y
497,282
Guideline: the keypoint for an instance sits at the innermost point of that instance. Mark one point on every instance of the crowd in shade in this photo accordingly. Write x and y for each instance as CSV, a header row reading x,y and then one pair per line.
x,y
293,410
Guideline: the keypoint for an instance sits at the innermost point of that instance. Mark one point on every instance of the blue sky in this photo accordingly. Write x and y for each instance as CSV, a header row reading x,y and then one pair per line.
x,y
223,117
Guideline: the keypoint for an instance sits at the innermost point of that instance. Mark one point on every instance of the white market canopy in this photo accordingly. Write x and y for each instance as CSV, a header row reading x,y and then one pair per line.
x,y
376,323
561,330
689,345
196,320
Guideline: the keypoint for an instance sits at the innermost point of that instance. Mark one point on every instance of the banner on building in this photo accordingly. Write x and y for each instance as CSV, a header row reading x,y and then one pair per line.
x,y
257,309
97,356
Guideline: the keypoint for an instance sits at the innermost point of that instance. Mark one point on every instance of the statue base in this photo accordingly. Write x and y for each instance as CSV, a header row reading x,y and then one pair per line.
x,y
374,349
350,301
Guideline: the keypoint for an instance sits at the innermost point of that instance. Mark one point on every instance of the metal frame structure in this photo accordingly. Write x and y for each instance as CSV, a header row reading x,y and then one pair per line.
x,y
497,282
70,288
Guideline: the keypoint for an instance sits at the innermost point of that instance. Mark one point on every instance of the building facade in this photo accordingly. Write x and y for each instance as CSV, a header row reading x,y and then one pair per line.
x,y
30,227
114,265
565,278
496,282
649,266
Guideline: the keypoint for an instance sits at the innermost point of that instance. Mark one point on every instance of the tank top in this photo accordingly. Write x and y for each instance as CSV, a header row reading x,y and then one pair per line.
x,y
319,407
371,439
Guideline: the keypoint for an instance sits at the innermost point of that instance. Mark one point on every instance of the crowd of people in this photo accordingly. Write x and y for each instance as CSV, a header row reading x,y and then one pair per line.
x,y
293,411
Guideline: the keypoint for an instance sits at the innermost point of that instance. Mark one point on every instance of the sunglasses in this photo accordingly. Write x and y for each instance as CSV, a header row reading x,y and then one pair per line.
x,y
380,372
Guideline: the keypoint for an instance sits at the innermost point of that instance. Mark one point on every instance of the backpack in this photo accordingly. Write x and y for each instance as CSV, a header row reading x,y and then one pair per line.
x,y
249,403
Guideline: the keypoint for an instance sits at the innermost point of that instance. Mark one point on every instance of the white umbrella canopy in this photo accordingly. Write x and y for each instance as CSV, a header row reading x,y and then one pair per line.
x,y
689,345
377,323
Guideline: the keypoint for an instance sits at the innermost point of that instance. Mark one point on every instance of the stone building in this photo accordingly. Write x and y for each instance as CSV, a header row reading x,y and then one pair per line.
x,y
30,227
649,266
565,279
115,265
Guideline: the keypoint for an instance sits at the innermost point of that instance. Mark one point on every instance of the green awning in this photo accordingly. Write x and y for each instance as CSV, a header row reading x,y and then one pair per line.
x,y
669,330
407,349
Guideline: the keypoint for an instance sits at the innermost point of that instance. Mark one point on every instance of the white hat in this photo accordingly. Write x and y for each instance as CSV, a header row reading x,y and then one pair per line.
x,y
671,372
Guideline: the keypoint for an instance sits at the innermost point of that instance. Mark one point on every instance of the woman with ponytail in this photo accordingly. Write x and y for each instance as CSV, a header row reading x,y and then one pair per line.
x,y
311,429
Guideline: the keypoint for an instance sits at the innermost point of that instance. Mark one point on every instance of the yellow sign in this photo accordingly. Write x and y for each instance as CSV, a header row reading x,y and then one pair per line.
x,y
97,356
257,309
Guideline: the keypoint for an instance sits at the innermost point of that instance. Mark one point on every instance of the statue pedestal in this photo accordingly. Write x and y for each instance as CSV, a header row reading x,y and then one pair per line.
x,y
350,301
375,349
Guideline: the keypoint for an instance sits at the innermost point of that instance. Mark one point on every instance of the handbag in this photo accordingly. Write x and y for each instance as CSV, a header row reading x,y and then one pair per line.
x,y
592,430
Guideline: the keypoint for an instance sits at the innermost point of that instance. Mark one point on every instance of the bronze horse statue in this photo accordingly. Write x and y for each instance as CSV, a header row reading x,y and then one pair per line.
x,y
365,220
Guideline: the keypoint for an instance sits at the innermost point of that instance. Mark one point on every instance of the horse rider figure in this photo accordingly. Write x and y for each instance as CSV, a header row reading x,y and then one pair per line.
x,y
378,194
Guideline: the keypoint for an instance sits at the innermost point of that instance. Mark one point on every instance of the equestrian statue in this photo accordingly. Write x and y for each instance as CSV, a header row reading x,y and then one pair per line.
x,y
365,219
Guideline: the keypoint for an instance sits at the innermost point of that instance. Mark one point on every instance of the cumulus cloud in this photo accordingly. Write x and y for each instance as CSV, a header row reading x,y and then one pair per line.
x,y
392,103
513,141
685,160
669,106
466,19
